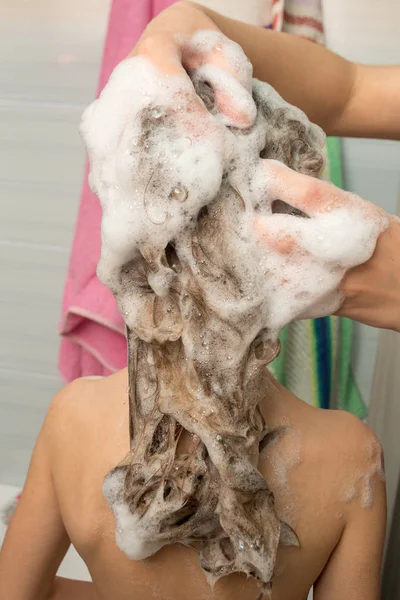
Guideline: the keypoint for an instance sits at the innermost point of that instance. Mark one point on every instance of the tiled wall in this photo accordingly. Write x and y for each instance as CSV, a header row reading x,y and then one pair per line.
x,y
49,58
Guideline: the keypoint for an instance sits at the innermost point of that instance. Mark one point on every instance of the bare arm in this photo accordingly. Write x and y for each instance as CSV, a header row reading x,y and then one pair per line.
x,y
344,98
71,589
36,540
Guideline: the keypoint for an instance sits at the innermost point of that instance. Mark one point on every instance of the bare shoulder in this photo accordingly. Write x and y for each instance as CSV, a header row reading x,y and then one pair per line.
x,y
85,406
349,453
332,451
347,437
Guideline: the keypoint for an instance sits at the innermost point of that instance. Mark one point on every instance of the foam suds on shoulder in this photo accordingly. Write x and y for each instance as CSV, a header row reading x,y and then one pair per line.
x,y
190,251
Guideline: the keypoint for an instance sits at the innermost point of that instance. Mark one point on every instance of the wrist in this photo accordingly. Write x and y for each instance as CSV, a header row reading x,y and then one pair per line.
x,y
371,291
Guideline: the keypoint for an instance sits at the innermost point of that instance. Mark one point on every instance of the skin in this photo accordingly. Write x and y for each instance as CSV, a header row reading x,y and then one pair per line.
x,y
371,291
316,467
344,98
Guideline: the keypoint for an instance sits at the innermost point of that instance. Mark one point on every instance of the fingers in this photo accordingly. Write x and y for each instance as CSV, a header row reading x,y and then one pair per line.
x,y
213,48
211,57
281,240
341,230
303,192
312,196
234,102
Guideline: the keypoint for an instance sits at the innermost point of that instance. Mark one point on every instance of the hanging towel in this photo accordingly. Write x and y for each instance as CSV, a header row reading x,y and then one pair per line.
x,y
93,333
315,360
299,17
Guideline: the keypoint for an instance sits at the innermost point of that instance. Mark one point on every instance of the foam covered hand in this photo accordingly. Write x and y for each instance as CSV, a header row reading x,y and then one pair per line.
x,y
311,234
201,51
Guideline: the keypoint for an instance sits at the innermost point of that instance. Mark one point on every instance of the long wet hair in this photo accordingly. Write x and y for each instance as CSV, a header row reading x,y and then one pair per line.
x,y
197,356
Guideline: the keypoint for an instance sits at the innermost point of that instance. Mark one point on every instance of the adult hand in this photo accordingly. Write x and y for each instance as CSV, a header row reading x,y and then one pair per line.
x,y
371,291
182,40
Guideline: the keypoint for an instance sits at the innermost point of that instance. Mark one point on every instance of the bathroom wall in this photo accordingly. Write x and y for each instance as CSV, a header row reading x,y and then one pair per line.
x,y
49,57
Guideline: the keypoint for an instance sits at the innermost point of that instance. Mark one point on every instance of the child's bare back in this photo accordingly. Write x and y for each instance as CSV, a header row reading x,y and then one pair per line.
x,y
324,467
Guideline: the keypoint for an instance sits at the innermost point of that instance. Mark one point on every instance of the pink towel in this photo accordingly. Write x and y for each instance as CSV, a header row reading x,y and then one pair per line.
x,y
93,334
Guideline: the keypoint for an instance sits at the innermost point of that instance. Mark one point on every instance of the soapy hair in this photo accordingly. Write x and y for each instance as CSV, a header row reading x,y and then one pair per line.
x,y
203,302
200,365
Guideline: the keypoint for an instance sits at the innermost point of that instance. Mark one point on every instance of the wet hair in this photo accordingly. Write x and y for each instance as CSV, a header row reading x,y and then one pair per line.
x,y
197,355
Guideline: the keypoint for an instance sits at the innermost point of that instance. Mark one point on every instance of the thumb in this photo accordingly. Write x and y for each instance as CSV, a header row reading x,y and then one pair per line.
x,y
211,57
234,103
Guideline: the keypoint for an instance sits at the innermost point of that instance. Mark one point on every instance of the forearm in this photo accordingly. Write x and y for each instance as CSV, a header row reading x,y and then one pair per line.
x,y
72,589
373,107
